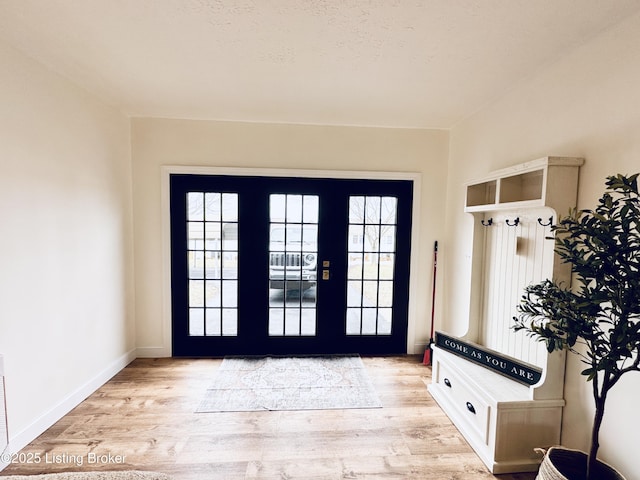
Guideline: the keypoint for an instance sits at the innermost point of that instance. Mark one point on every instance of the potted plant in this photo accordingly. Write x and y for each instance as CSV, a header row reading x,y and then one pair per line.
x,y
598,318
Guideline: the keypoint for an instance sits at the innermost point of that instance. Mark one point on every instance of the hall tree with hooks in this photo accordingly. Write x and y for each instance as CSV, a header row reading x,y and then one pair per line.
x,y
502,389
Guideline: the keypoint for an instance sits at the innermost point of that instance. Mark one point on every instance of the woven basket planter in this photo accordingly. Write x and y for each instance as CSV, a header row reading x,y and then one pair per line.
x,y
564,464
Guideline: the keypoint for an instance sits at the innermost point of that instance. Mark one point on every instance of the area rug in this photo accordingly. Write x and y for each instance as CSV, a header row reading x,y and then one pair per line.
x,y
290,383
97,475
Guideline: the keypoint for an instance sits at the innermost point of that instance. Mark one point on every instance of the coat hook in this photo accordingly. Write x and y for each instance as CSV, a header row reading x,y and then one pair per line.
x,y
547,224
488,223
515,222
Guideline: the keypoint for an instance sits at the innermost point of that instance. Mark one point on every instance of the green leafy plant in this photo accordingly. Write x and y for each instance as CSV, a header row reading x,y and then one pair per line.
x,y
598,318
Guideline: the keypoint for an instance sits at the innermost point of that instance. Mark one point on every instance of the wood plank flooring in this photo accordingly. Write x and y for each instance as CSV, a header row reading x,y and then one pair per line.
x,y
144,419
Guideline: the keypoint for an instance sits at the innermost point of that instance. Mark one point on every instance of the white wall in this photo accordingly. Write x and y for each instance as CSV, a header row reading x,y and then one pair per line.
x,y
158,142
586,104
66,283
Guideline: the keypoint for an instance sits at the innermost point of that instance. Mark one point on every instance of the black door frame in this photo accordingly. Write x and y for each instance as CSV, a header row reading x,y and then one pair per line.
x,y
414,178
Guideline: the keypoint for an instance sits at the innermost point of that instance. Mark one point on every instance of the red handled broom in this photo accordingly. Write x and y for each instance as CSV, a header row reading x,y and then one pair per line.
x,y
427,351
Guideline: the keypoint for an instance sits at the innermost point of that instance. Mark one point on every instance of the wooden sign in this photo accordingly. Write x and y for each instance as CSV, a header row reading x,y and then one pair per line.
x,y
512,368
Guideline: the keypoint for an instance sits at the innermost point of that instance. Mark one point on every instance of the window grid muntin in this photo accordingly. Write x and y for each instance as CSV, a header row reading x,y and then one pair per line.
x,y
372,235
293,220
212,255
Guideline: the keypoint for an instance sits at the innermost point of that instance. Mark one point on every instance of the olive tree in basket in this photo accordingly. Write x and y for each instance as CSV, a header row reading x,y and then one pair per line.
x,y
598,318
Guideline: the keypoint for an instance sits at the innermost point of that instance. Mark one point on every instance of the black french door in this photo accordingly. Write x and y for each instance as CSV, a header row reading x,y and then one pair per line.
x,y
275,265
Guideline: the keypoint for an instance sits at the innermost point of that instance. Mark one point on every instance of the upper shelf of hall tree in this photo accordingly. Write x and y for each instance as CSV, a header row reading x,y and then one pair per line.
x,y
538,183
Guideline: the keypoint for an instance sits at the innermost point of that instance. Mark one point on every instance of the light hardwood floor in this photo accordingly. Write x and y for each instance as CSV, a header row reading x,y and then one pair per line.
x,y
144,419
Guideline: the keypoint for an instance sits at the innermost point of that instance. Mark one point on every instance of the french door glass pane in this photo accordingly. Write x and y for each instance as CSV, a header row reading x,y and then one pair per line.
x,y
293,255
212,251
371,253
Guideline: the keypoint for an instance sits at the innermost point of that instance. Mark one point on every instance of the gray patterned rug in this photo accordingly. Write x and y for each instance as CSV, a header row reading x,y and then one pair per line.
x,y
290,383
97,475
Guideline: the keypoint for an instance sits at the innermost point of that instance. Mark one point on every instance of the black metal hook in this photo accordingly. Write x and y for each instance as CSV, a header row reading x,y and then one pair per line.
x,y
488,223
547,224
515,222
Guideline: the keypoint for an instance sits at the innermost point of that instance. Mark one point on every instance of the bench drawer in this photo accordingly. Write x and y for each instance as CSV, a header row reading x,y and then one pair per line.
x,y
472,407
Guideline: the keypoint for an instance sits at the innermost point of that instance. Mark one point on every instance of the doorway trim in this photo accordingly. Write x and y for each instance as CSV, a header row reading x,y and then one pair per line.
x,y
168,170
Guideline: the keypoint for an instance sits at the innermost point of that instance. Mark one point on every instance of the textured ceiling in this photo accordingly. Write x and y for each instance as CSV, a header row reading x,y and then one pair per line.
x,y
397,63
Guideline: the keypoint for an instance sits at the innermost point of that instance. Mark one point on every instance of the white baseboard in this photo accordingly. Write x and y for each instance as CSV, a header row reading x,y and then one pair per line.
x,y
419,348
153,352
4,441
38,426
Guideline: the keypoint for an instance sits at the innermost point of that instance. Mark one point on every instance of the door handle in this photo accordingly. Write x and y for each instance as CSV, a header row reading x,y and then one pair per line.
x,y
325,272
